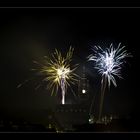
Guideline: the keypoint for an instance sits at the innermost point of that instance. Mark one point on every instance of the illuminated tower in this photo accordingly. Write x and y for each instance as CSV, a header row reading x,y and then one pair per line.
x,y
83,86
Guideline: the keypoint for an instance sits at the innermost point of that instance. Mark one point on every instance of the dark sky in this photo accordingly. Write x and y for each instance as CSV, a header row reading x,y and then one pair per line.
x,y
29,34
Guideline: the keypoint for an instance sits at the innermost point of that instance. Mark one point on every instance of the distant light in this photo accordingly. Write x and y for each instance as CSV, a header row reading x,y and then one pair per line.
x,y
91,121
83,91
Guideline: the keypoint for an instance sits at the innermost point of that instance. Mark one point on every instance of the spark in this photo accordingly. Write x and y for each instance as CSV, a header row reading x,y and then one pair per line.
x,y
58,73
108,63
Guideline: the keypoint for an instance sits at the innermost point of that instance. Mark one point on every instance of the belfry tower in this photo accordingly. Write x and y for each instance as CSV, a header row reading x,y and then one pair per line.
x,y
83,86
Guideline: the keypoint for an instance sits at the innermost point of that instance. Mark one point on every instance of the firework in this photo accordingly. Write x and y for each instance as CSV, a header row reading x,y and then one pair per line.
x,y
108,63
57,72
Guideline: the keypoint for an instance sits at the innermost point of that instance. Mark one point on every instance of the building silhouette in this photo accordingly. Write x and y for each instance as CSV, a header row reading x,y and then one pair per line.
x,y
71,115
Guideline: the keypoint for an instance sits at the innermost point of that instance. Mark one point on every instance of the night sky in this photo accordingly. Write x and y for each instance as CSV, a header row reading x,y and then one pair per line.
x,y
29,34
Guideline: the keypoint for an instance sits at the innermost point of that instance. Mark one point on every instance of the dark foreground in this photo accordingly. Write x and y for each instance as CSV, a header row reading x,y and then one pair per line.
x,y
119,125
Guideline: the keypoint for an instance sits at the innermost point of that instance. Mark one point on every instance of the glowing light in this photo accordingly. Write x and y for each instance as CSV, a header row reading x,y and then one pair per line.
x,y
109,63
83,91
63,72
58,73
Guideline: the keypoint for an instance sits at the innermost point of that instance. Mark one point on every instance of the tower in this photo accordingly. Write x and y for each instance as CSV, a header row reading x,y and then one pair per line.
x,y
83,86
72,115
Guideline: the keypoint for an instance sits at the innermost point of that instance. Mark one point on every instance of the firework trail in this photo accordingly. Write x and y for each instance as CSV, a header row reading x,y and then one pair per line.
x,y
108,63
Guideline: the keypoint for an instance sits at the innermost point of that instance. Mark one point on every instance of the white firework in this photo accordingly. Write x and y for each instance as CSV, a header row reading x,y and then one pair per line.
x,y
109,62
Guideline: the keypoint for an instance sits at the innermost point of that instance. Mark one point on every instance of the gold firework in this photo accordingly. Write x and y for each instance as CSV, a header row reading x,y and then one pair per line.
x,y
57,71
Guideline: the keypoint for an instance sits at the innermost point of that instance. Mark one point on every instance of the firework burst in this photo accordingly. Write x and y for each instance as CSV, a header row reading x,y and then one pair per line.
x,y
108,63
57,72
